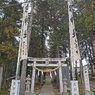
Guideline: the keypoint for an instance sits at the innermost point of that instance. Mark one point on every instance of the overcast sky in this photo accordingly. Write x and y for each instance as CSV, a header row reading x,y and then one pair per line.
x,y
20,0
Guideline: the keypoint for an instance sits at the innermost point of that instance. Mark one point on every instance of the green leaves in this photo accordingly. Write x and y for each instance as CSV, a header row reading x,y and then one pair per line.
x,y
86,17
9,28
50,20
10,24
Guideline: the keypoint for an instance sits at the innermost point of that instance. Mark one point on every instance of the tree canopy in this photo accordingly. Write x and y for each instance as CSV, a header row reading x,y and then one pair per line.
x,y
50,19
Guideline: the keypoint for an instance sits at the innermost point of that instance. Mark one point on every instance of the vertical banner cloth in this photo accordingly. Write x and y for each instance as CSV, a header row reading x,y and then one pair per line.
x,y
75,54
24,39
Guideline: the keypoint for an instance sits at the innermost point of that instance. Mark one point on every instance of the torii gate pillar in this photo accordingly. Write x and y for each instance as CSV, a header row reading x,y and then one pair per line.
x,y
60,79
33,78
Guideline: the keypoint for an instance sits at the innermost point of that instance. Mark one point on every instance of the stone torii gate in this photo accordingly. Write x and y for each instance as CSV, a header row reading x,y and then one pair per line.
x,y
57,63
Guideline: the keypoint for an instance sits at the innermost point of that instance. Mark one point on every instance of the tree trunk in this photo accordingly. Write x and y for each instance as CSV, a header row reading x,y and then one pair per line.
x,y
91,56
1,77
23,77
93,47
41,78
81,71
76,73
5,73
57,55
93,44
91,69
70,64
53,76
57,78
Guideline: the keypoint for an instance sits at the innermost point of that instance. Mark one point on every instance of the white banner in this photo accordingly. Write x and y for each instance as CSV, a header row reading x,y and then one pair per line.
x,y
75,54
24,39
75,48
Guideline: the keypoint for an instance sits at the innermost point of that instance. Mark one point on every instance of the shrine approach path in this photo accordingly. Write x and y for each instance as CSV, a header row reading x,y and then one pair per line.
x,y
47,88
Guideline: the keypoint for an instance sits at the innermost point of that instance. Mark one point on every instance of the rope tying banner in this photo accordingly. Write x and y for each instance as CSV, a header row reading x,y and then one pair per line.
x,y
49,70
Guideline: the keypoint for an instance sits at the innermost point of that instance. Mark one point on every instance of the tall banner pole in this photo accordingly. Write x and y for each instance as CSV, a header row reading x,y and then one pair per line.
x,y
74,48
20,44
18,85
23,52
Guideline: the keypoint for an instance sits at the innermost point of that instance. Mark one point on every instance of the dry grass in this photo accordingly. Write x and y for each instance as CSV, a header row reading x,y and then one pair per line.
x,y
81,90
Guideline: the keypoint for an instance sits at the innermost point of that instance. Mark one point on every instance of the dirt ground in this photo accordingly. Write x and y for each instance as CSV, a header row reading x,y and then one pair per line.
x,y
56,90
